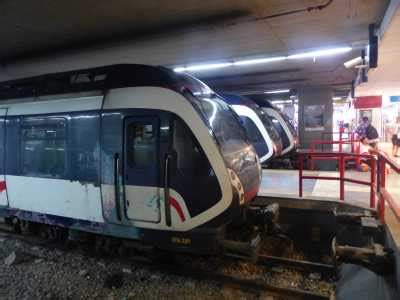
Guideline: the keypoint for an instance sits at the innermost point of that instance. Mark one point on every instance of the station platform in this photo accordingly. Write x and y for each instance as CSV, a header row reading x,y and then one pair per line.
x,y
285,183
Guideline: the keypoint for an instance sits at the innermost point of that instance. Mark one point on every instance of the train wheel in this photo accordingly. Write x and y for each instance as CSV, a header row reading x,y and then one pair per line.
x,y
26,227
99,245
16,225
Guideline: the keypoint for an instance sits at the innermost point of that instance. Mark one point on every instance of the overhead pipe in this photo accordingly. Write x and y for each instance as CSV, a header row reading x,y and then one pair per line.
x,y
290,12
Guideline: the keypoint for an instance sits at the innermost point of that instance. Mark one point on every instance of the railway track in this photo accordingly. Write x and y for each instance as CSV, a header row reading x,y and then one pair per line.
x,y
237,281
303,265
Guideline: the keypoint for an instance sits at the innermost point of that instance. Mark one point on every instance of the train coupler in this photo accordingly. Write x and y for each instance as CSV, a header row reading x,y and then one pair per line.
x,y
376,257
265,218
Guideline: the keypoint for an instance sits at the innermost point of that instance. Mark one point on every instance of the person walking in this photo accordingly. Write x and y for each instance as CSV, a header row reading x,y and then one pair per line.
x,y
396,138
361,129
366,130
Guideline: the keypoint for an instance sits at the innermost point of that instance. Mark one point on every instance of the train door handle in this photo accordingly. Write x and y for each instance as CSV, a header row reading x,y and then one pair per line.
x,y
117,186
167,207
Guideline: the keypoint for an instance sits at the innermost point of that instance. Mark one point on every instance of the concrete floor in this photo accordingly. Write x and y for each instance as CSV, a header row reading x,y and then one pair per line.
x,y
286,183
393,179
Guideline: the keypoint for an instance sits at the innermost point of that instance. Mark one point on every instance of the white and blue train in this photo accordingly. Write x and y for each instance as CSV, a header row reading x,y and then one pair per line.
x,y
283,126
259,127
130,151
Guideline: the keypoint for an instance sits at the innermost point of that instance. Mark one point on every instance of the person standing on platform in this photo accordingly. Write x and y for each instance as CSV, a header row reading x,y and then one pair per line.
x,y
366,130
361,129
396,138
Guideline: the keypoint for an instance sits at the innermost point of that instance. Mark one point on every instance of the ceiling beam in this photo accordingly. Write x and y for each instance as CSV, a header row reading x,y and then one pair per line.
x,y
257,86
128,36
387,18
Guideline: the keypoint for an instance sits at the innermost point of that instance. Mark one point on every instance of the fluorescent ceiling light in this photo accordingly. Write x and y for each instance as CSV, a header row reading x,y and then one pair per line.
x,y
318,53
258,61
337,98
228,64
203,67
281,101
244,62
277,91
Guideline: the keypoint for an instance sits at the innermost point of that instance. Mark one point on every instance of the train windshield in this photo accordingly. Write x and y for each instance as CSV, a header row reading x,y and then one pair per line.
x,y
220,118
224,123
238,153
282,133
270,127
289,124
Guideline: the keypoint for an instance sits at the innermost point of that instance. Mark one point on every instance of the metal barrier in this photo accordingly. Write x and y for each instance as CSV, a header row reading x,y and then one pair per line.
x,y
341,133
344,136
355,151
341,157
383,194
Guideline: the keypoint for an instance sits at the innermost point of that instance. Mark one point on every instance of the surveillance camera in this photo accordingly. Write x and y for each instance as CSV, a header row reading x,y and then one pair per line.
x,y
353,62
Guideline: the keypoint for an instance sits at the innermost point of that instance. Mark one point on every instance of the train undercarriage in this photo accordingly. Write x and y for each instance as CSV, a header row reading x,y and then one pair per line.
x,y
332,231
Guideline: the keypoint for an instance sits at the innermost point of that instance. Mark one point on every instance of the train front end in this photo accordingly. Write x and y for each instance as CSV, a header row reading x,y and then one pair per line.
x,y
235,162
239,156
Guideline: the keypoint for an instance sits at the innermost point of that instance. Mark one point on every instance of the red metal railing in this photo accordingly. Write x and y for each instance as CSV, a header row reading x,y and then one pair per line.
x,y
383,194
341,157
355,151
377,183
344,136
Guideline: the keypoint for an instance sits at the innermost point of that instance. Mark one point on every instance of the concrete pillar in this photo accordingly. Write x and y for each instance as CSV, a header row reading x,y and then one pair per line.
x,y
313,100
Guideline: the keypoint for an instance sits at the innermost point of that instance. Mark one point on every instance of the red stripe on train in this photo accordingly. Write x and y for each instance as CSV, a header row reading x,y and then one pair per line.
x,y
177,207
2,186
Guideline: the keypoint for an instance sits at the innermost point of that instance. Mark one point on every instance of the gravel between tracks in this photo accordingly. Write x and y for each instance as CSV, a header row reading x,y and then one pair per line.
x,y
43,273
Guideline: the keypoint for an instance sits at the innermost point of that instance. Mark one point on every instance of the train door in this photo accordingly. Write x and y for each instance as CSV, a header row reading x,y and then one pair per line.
x,y
141,168
3,192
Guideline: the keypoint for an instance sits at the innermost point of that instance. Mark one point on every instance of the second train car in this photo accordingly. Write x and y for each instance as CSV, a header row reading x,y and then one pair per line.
x,y
259,127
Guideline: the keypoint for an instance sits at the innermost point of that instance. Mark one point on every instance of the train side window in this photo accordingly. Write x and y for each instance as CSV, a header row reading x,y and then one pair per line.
x,y
43,143
141,145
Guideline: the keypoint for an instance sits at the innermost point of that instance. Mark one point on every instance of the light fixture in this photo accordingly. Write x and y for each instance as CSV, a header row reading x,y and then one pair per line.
x,y
262,60
202,67
258,61
281,101
277,91
319,53
336,98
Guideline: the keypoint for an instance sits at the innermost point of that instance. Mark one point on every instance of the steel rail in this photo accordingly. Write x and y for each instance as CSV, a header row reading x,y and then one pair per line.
x,y
297,264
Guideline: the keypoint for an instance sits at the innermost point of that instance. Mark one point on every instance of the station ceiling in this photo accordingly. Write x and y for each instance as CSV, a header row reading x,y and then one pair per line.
x,y
49,36
385,80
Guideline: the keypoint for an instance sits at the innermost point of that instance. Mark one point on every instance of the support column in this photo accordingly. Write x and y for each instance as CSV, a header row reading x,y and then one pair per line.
x,y
313,100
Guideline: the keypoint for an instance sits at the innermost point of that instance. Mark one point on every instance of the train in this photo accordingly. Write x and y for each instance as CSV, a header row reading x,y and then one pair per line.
x,y
135,152
259,128
282,124
269,130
